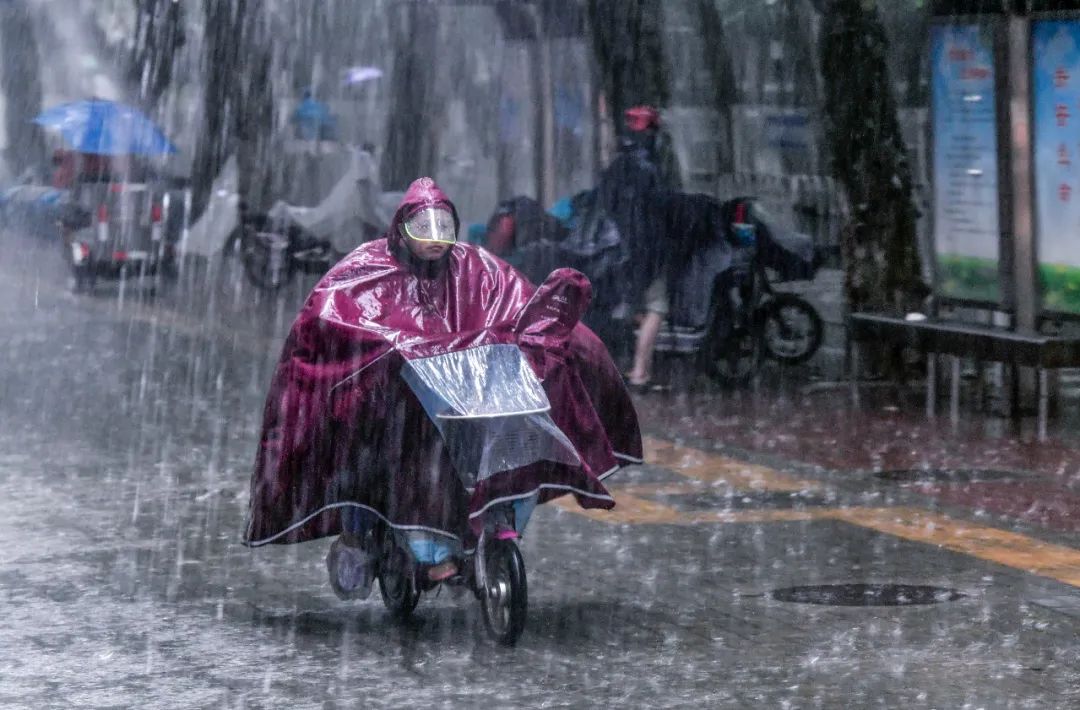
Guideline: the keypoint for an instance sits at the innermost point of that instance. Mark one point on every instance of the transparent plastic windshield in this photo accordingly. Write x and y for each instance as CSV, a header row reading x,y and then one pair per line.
x,y
491,410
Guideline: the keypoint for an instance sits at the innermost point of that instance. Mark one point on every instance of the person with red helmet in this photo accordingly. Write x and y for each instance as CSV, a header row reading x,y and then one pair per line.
x,y
641,118
634,190
644,130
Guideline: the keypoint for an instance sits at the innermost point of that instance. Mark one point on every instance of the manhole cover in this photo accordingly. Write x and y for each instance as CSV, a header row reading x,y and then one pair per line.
x,y
945,475
866,594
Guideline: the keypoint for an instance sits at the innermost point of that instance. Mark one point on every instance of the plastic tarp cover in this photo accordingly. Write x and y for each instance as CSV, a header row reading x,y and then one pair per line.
x,y
789,253
208,235
490,409
693,284
782,248
356,196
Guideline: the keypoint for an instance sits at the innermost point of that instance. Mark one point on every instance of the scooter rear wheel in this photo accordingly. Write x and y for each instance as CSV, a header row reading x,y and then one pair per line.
x,y
264,269
505,600
397,584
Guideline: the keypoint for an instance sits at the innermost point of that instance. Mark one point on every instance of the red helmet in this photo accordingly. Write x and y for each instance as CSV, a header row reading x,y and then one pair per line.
x,y
641,118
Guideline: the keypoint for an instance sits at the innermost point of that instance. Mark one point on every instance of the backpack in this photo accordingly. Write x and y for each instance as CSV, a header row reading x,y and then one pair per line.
x,y
596,248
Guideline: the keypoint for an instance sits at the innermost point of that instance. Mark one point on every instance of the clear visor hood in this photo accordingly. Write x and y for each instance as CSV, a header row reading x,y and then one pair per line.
x,y
431,225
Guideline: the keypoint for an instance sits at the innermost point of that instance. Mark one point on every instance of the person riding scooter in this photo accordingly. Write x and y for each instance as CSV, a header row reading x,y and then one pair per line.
x,y
346,443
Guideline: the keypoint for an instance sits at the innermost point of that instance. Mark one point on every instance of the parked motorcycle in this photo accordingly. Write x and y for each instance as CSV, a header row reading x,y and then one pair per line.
x,y
748,320
728,314
290,239
273,251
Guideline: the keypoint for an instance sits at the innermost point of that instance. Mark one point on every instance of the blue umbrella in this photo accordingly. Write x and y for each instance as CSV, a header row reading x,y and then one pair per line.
x,y
106,128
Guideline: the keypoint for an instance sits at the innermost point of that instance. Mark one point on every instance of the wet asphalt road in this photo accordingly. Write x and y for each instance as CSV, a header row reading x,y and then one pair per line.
x,y
127,429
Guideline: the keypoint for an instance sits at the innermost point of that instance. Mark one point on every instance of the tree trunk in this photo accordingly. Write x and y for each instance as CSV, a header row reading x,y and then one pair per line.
x,y
412,136
627,39
254,117
221,55
159,33
722,75
869,158
20,84
238,99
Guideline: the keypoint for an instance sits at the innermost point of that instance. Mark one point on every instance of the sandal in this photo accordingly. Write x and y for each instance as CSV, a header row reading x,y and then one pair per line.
x,y
641,387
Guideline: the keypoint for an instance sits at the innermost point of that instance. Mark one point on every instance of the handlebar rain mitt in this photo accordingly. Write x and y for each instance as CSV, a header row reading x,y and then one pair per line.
x,y
555,308
491,410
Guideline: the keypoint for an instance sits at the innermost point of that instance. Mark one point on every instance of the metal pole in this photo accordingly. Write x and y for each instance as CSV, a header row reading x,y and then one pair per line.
x,y
954,391
185,230
594,103
1020,190
853,371
544,117
547,116
931,383
1044,398
1019,285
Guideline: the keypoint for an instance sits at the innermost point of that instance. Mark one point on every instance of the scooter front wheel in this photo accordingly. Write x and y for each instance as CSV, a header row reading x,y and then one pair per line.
x,y
505,598
793,329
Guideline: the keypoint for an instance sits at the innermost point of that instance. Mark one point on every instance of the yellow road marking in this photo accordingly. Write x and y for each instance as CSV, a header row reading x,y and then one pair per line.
x,y
1002,547
630,509
687,487
986,543
983,542
698,517
712,468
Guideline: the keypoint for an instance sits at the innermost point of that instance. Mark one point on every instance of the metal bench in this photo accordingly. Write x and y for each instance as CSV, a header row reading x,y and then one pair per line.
x,y
957,339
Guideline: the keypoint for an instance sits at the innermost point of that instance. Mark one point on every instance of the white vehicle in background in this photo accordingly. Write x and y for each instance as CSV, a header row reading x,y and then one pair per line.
x,y
124,236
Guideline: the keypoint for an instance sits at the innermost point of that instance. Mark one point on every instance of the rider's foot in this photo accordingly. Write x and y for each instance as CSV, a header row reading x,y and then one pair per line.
x,y
351,568
442,571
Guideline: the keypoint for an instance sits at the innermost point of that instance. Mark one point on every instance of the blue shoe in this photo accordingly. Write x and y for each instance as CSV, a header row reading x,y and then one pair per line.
x,y
351,570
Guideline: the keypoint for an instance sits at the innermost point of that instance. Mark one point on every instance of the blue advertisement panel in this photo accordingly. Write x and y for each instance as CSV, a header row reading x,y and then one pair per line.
x,y
965,175
1055,46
